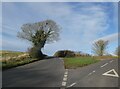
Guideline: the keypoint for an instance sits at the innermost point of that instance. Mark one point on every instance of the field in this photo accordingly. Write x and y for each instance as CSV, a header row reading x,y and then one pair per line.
x,y
75,62
11,59
5,54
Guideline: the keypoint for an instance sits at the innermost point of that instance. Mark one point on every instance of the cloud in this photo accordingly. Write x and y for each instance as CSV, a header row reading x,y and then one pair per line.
x,y
81,23
60,0
14,44
110,38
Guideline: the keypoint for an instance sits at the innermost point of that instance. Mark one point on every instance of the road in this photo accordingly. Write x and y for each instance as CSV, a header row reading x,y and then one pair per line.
x,y
93,75
43,73
51,73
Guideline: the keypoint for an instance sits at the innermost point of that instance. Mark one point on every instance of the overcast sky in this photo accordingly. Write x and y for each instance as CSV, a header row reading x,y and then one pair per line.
x,y
82,24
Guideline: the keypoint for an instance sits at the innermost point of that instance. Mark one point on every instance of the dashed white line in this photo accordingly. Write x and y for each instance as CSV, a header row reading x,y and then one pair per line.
x,y
64,79
64,83
104,65
65,76
111,61
91,72
72,84
66,73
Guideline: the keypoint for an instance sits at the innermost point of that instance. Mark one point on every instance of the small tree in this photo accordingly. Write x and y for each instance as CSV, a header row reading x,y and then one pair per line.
x,y
99,47
40,33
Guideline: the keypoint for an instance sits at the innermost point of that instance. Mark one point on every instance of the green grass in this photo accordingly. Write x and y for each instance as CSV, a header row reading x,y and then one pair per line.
x,y
75,62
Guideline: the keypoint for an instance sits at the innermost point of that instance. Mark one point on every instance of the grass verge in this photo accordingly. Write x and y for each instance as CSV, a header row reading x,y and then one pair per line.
x,y
13,63
10,59
4,53
74,62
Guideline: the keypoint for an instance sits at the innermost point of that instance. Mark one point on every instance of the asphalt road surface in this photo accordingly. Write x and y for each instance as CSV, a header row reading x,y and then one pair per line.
x,y
44,73
102,74
51,73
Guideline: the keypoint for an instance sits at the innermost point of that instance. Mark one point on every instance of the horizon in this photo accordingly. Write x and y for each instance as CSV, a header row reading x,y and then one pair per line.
x,y
82,24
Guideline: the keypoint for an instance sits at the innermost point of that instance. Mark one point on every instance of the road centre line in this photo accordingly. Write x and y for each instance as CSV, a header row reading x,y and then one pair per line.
x,y
64,82
64,79
77,81
65,76
111,61
92,72
66,73
104,65
72,85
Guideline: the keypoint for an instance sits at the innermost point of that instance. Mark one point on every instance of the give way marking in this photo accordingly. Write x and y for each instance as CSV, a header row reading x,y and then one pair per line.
x,y
112,73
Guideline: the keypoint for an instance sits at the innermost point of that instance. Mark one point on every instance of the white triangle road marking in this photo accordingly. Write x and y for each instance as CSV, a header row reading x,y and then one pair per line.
x,y
113,75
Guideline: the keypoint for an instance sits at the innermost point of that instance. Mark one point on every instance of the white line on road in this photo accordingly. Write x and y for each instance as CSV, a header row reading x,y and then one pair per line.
x,y
65,76
113,75
64,79
91,72
104,65
66,73
64,83
111,61
72,84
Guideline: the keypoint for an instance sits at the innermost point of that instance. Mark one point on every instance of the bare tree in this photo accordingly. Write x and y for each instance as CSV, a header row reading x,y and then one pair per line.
x,y
99,47
40,33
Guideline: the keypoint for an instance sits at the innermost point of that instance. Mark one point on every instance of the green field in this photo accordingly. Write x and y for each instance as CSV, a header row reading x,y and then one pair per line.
x,y
75,62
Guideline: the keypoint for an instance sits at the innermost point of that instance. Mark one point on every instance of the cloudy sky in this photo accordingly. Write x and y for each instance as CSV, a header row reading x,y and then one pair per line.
x,y
82,24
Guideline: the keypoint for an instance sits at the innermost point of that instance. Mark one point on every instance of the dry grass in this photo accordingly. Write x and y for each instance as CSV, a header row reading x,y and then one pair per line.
x,y
11,59
105,57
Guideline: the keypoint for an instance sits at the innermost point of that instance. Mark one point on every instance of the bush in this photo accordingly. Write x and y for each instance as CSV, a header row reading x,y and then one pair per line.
x,y
64,53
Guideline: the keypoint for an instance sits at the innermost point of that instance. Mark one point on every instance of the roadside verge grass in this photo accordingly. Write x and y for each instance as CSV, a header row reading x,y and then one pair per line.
x,y
75,62
10,59
14,63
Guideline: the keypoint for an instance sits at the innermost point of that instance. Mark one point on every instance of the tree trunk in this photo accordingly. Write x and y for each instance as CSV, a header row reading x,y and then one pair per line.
x,y
40,55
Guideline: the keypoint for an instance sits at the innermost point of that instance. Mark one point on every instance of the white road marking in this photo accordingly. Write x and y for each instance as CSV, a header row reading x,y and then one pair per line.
x,y
113,75
111,61
65,76
72,84
64,79
104,65
91,72
66,73
64,83
66,69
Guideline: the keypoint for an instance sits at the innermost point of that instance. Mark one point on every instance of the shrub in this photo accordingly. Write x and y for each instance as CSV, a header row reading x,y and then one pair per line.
x,y
64,53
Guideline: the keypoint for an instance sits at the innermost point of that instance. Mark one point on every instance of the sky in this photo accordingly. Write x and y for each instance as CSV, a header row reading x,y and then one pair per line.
x,y
82,23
